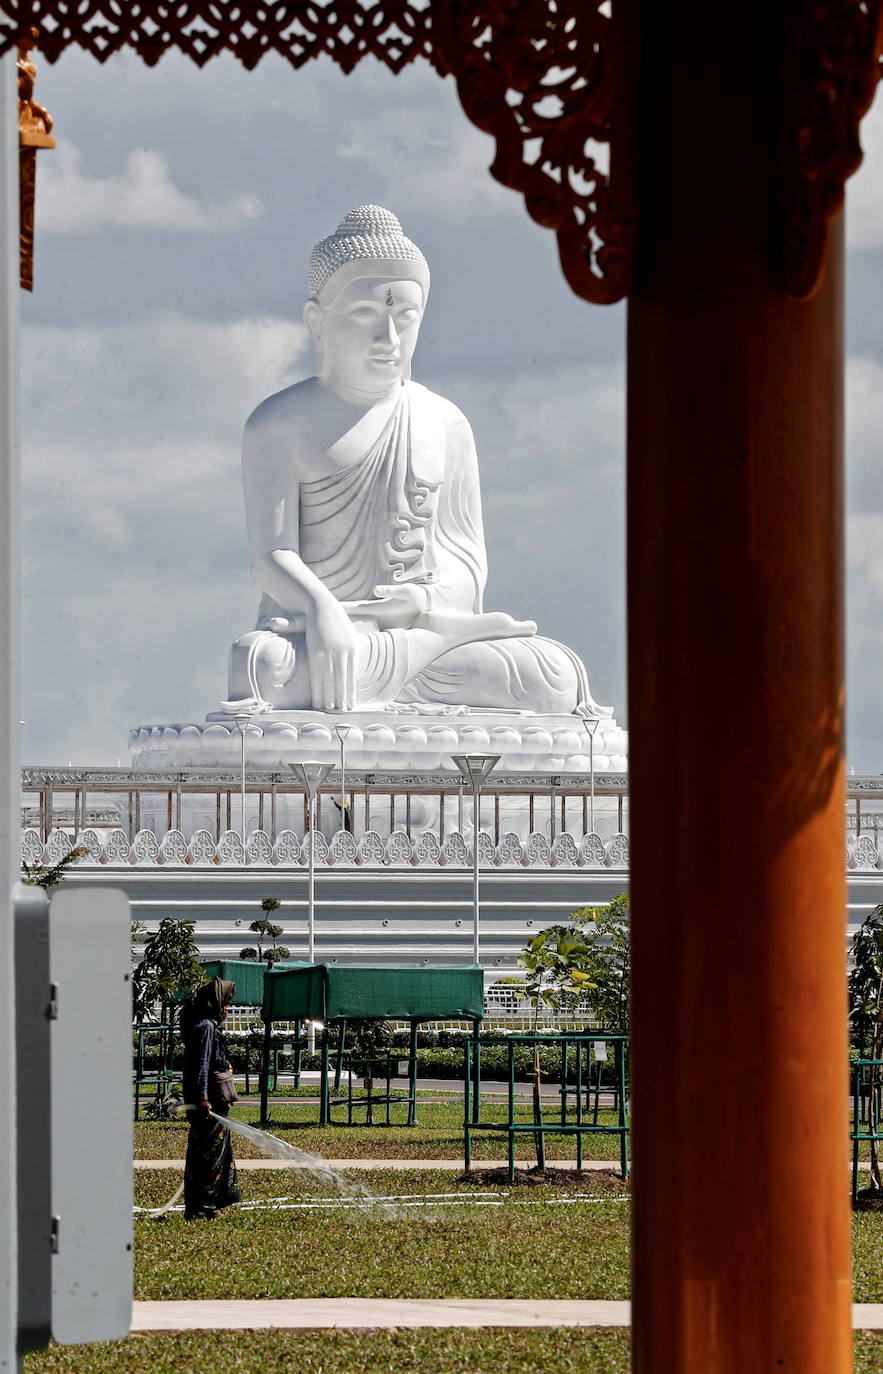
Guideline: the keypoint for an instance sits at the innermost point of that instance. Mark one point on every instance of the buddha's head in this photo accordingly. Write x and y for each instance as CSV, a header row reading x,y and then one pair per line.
x,y
368,290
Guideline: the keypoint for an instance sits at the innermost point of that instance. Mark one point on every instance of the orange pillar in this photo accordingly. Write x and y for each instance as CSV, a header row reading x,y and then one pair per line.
x,y
736,710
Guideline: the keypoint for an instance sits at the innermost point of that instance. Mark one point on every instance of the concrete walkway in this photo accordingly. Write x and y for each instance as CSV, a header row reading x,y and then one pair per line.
x,y
447,1165
354,1313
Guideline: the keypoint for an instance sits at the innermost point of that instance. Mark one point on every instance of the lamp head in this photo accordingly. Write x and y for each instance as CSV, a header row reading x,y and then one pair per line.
x,y
311,773
476,768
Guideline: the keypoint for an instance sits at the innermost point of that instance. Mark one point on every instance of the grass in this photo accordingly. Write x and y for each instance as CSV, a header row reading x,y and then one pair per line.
x,y
438,1135
525,1248
493,1350
517,1250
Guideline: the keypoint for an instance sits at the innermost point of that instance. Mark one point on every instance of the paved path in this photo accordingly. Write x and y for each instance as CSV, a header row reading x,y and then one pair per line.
x,y
413,1312
447,1165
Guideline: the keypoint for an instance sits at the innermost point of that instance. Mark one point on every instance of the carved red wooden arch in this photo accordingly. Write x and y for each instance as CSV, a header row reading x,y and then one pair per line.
x,y
550,80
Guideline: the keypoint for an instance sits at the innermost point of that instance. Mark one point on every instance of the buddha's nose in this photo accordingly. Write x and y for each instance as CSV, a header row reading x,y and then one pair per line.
x,y
390,334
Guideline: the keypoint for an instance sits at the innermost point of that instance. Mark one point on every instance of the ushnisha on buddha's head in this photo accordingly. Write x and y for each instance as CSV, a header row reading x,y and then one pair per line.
x,y
368,289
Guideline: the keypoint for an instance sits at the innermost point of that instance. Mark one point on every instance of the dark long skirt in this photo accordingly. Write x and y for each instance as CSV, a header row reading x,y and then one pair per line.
x,y
209,1169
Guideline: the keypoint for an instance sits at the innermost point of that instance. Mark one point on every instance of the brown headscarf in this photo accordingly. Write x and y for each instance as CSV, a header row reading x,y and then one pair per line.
x,y
208,1001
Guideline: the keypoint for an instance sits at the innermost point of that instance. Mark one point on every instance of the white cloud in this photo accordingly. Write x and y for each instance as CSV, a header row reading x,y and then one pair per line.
x,y
438,170
142,381
864,560
864,196
141,196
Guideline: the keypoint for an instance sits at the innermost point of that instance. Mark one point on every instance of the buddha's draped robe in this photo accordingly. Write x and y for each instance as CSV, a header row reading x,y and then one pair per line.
x,y
405,507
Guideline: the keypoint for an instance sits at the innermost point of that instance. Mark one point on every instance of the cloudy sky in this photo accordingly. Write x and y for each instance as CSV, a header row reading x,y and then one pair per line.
x,y
174,224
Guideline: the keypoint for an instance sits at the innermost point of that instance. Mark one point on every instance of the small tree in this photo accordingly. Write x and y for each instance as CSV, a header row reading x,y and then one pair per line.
x,y
555,962
866,1009
50,875
605,930
265,929
168,967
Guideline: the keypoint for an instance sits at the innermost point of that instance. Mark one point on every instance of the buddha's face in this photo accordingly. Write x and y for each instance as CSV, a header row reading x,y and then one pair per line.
x,y
367,334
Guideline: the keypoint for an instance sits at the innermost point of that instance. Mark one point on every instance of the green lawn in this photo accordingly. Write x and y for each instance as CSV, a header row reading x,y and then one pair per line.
x,y
438,1135
522,1249
523,1246
527,1247
490,1351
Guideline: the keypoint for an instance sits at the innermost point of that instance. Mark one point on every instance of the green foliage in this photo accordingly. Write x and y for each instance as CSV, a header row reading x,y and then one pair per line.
x,y
556,961
50,875
606,930
168,967
266,930
367,1038
866,1011
585,962
866,979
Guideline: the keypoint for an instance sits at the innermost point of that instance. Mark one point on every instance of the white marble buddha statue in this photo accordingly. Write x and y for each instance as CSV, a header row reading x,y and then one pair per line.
x,y
364,519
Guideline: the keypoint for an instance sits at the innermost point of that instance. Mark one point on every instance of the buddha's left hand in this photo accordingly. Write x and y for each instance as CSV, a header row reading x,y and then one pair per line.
x,y
397,606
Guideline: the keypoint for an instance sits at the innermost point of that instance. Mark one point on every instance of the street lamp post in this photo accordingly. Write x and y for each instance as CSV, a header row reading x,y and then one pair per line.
x,y
341,731
475,769
242,722
311,774
591,726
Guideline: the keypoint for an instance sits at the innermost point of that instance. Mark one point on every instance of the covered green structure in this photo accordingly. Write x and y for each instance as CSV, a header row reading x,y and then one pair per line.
x,y
334,994
247,974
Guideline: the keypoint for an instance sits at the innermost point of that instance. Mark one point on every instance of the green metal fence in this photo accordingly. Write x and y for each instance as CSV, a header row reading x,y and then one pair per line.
x,y
579,1084
867,1110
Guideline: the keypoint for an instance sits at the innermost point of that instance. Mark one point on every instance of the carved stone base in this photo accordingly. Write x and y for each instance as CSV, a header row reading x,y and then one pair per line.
x,y
384,740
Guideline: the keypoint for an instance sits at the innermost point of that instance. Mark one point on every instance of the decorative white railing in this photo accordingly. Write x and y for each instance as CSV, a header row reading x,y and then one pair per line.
x,y
112,848
344,850
864,853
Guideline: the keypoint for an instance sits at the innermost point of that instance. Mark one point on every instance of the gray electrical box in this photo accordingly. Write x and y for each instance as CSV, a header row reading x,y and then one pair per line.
x,y
74,1068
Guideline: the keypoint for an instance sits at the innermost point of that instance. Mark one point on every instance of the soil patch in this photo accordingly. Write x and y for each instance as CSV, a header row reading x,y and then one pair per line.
x,y
567,1180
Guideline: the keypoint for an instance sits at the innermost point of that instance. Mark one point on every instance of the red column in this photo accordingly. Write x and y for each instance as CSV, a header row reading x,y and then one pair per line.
x,y
736,710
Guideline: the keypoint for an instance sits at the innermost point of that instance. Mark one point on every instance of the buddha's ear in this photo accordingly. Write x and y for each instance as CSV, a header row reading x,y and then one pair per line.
x,y
313,314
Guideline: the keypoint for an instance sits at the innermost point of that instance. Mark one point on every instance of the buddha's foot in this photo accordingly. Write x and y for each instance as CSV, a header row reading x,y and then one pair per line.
x,y
463,628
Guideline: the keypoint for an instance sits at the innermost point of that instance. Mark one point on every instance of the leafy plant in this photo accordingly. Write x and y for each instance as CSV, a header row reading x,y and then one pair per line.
x,y
168,968
606,931
50,875
266,930
866,1008
367,1038
555,962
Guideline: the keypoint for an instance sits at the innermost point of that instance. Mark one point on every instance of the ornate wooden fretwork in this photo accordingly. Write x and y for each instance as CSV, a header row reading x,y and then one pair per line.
x,y
548,79
541,77
836,66
536,74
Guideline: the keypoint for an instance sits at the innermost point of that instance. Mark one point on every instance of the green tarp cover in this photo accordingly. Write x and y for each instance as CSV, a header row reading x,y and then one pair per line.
x,y
331,992
247,974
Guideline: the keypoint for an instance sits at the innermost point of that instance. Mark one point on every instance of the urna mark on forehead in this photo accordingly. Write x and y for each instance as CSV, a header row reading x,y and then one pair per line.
x,y
388,289
369,242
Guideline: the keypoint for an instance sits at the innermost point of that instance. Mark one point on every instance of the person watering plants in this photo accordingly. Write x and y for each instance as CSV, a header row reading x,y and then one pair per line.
x,y
209,1169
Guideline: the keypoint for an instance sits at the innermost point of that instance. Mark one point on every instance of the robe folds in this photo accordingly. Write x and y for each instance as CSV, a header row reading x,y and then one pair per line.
x,y
403,505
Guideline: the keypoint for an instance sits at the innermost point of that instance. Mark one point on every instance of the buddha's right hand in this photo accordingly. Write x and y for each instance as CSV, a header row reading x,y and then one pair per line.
x,y
332,649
